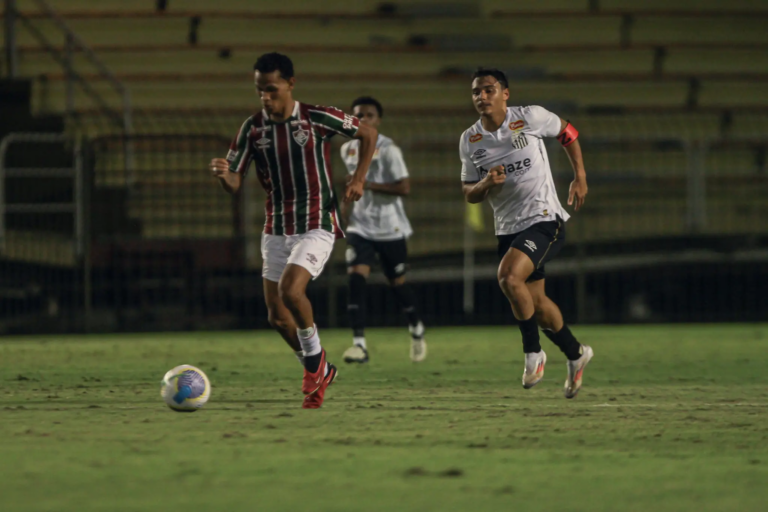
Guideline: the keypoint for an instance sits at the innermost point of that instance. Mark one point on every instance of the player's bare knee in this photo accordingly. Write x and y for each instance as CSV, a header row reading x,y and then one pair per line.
x,y
363,270
290,294
511,282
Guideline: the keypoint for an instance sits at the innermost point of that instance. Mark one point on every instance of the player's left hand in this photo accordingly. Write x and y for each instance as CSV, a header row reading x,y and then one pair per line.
x,y
577,193
354,191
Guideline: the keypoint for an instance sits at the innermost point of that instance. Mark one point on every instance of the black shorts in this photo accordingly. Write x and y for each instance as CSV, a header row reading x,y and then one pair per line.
x,y
541,242
392,254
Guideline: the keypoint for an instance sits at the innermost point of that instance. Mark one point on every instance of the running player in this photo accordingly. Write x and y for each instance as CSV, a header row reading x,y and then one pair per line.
x,y
289,142
379,227
504,160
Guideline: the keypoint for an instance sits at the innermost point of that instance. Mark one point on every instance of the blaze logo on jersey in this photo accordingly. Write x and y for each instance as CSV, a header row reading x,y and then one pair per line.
x,y
263,143
516,125
301,136
480,153
476,138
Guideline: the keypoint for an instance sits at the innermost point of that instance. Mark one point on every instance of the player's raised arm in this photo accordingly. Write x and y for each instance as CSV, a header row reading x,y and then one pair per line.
x,y
568,137
367,136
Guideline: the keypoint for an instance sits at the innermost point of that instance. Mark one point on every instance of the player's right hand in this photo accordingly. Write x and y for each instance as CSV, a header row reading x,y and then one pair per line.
x,y
219,167
496,176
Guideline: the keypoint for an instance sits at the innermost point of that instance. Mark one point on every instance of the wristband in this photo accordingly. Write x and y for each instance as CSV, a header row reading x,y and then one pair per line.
x,y
568,135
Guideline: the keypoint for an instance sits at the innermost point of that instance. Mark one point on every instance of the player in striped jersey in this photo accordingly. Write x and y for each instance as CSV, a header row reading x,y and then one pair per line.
x,y
289,142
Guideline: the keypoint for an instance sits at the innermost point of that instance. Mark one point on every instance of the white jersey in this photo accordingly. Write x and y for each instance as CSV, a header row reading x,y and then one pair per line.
x,y
378,216
528,195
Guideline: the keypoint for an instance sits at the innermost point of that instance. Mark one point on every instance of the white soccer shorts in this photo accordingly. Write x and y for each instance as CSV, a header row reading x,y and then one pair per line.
x,y
310,250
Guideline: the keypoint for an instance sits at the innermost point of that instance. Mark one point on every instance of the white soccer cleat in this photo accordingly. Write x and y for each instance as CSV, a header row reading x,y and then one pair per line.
x,y
356,354
576,371
534,368
418,345
418,350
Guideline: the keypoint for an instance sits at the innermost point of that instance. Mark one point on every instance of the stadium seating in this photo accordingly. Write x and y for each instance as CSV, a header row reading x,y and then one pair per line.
x,y
657,71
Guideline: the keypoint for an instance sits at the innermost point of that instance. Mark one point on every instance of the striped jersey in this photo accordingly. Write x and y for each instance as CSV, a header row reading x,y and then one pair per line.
x,y
293,164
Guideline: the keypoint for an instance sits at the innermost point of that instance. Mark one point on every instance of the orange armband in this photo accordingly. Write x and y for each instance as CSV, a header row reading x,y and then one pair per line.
x,y
568,135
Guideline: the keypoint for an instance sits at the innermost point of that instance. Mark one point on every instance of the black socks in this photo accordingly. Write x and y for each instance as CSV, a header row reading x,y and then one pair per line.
x,y
312,363
356,306
530,330
404,297
566,342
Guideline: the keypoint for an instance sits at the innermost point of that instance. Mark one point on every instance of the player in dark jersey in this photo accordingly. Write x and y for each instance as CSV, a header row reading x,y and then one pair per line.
x,y
289,142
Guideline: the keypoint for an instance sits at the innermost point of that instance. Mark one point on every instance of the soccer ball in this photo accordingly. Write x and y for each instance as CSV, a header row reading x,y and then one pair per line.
x,y
185,388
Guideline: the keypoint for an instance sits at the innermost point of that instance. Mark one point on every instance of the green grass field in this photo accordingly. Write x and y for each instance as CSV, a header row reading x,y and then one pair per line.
x,y
669,419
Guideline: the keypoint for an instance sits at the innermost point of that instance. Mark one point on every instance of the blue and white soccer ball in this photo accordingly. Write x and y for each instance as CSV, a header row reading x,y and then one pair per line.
x,y
185,388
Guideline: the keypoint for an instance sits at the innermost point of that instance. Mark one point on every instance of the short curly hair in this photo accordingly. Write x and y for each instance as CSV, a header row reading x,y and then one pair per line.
x,y
368,100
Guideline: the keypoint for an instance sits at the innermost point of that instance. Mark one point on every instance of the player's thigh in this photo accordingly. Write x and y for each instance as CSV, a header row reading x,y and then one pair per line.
x,y
537,290
274,254
360,254
541,243
311,251
277,311
363,270
393,255
293,283
515,267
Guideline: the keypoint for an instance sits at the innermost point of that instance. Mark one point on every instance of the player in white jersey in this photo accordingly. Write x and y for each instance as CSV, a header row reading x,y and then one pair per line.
x,y
378,227
504,160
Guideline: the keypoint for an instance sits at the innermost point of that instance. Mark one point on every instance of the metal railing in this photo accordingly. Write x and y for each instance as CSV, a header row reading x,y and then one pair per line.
x,y
73,44
76,207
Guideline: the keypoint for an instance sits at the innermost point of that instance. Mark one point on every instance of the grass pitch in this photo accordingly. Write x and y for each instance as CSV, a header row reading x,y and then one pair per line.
x,y
669,419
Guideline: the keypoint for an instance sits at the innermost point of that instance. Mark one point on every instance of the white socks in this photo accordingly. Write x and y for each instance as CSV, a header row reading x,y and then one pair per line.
x,y
359,341
310,341
417,331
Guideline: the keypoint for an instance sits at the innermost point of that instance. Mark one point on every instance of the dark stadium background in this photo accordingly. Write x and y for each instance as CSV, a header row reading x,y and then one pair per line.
x,y
109,220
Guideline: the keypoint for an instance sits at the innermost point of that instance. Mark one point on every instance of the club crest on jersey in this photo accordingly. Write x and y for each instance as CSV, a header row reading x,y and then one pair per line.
x,y
516,125
480,153
520,142
301,136
476,138
351,152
